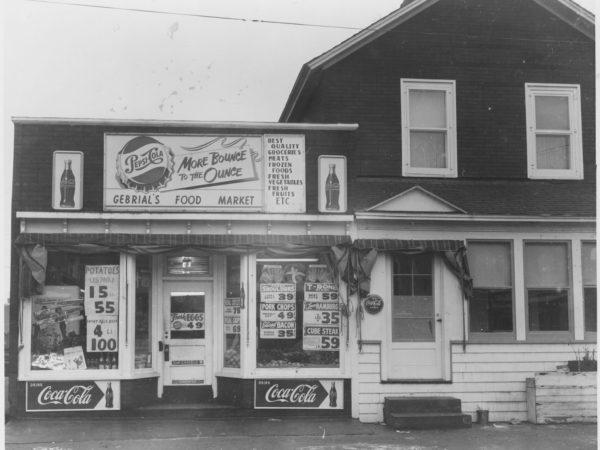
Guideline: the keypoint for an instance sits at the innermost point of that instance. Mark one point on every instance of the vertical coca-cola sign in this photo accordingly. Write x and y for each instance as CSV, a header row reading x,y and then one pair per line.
x,y
79,395
67,180
298,394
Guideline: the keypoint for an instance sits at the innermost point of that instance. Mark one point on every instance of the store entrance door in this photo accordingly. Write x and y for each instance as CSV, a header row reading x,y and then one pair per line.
x,y
187,334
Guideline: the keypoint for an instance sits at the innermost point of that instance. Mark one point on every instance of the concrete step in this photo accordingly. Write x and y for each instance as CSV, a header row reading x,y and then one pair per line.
x,y
422,405
427,421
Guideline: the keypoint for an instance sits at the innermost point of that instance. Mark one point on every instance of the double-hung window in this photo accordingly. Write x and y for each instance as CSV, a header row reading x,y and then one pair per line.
x,y
491,310
553,115
548,287
588,265
428,128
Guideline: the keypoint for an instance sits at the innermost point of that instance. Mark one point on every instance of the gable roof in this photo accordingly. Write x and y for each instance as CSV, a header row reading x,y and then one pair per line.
x,y
567,10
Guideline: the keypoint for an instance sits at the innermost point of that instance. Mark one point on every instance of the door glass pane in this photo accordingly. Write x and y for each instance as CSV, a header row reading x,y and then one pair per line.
x,y
551,112
403,285
546,265
408,330
143,313
412,306
187,315
428,149
427,109
553,152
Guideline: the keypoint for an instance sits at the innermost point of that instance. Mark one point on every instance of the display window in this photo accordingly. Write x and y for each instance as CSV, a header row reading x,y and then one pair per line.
x,y
298,313
75,322
143,312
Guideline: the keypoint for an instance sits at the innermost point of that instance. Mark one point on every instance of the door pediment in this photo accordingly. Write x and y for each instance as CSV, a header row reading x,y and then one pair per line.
x,y
416,199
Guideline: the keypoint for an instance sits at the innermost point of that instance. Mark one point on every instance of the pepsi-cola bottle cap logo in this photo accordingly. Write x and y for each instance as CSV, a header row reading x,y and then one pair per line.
x,y
144,164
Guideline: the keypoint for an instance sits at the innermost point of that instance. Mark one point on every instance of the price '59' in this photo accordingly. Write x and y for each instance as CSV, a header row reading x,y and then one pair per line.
x,y
102,303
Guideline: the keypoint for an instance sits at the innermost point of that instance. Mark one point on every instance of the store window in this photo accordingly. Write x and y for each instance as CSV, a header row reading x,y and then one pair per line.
x,y
547,286
298,313
554,146
143,313
428,128
75,323
491,309
588,264
413,308
232,313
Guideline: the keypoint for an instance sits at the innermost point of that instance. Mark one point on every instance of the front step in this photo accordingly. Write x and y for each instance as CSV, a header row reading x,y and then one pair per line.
x,y
424,413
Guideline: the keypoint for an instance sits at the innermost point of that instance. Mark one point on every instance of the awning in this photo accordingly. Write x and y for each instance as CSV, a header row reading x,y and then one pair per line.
x,y
383,245
157,243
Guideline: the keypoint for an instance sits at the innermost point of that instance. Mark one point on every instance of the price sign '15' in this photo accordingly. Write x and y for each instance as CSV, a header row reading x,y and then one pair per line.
x,y
102,290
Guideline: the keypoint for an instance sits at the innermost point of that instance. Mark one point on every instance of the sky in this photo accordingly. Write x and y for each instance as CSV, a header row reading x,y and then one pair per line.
x,y
214,60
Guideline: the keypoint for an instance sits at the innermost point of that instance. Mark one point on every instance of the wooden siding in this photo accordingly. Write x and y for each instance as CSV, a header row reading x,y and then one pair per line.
x,y
562,397
490,376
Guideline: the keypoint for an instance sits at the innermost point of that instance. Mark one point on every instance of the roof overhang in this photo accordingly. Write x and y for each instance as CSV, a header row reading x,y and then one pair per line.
x,y
441,217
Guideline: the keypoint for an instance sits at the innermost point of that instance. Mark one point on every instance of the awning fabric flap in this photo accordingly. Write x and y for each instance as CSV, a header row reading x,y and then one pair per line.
x,y
383,245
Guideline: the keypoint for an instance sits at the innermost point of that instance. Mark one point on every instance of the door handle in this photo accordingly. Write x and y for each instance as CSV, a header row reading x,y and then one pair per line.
x,y
166,353
438,319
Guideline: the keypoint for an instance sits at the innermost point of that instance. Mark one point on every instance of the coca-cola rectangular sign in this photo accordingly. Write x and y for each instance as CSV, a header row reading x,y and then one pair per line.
x,y
73,396
299,394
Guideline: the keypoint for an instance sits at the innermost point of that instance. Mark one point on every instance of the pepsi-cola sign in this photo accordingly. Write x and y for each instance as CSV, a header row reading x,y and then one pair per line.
x,y
204,172
73,395
298,394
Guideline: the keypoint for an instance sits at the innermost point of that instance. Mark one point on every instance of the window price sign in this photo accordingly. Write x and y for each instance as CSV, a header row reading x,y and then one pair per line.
x,y
102,290
277,292
232,315
321,317
102,333
278,311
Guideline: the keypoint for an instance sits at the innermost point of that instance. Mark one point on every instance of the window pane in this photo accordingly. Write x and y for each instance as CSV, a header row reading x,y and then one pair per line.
x,y
427,109
422,285
428,149
422,264
491,311
552,152
588,263
402,265
412,330
143,313
590,297
548,309
403,285
75,322
490,264
546,265
298,314
551,112
412,306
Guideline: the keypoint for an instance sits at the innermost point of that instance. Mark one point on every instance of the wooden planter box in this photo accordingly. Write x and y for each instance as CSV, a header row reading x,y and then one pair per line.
x,y
555,397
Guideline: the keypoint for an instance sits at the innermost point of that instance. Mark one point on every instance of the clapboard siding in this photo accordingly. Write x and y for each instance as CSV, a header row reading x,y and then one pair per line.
x,y
487,376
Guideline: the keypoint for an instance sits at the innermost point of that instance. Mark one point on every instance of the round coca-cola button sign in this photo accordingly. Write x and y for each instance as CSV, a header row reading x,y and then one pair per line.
x,y
373,304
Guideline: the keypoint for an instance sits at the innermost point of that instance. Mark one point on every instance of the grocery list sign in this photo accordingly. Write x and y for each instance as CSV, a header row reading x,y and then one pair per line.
x,y
204,173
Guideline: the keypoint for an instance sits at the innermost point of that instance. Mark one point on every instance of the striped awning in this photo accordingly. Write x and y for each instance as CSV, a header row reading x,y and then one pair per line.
x,y
409,245
178,240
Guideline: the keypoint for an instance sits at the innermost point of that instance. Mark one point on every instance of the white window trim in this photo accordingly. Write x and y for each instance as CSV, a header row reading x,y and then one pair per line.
x,y
449,87
571,91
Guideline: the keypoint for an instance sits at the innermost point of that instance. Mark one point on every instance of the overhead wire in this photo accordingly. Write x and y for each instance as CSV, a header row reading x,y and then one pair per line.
x,y
202,16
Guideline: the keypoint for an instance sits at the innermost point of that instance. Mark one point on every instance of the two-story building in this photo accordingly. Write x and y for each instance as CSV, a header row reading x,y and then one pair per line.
x,y
321,262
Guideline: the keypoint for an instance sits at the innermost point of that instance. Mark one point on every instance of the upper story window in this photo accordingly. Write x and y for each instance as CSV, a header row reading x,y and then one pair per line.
x,y
428,128
554,149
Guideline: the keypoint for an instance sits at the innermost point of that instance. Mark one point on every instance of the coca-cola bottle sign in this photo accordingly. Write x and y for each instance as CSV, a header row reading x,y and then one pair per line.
x,y
70,395
297,393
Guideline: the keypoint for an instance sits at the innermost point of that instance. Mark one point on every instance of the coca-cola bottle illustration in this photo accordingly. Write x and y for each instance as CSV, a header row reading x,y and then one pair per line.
x,y
108,395
332,190
67,187
332,396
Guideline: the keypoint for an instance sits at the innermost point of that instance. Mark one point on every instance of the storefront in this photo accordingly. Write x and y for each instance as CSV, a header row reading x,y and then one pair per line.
x,y
207,273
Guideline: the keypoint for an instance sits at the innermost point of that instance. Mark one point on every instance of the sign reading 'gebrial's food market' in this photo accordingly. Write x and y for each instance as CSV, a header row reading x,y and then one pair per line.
x,y
204,173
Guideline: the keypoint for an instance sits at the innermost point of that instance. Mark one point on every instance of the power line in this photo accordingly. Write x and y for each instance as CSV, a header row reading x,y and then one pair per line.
x,y
202,16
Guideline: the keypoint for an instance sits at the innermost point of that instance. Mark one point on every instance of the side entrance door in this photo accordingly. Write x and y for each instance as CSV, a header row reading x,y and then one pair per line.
x,y
417,328
187,352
